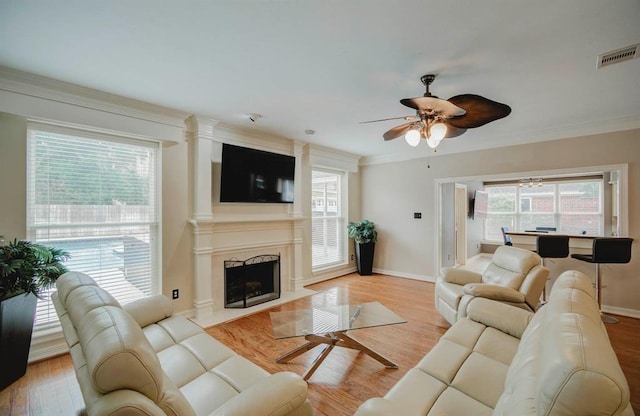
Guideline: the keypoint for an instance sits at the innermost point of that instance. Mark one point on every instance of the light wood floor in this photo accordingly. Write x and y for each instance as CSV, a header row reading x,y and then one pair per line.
x,y
343,381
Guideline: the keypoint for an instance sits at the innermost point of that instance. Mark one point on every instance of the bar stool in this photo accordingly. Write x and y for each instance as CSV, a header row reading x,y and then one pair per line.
x,y
606,250
507,238
551,247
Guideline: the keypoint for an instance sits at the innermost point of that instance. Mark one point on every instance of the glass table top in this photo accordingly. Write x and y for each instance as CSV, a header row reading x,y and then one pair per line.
x,y
327,319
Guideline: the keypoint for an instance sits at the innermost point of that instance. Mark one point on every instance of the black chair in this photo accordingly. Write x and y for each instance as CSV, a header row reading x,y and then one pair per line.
x,y
507,238
606,250
551,247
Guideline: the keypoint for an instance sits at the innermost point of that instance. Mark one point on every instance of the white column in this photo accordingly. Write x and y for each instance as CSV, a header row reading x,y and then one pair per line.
x,y
199,134
203,301
297,275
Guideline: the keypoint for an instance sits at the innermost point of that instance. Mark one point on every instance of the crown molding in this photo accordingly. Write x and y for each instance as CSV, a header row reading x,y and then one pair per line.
x,y
55,91
225,133
331,158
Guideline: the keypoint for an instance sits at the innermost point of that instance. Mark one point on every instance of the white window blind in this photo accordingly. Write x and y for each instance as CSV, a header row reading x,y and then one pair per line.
x,y
571,206
328,224
97,197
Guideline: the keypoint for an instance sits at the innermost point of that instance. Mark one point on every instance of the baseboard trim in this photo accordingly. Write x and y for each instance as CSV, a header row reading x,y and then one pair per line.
x,y
631,313
412,276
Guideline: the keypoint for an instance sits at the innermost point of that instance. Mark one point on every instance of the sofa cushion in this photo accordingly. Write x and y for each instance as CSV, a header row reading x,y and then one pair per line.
x,y
494,274
466,369
454,402
509,265
417,393
117,353
495,292
83,299
69,281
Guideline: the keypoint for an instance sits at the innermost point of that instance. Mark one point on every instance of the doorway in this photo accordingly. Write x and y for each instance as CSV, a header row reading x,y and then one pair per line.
x,y
460,217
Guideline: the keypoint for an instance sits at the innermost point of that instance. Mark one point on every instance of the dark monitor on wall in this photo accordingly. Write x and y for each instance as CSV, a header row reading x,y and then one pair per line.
x,y
251,175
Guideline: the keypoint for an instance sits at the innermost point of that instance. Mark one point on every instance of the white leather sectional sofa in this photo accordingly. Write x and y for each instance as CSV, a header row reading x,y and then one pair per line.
x,y
141,359
503,360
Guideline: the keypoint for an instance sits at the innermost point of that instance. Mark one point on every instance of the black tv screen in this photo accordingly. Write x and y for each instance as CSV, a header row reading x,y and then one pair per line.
x,y
250,175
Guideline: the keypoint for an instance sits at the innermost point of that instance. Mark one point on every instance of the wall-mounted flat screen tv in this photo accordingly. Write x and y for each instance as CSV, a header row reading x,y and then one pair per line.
x,y
251,175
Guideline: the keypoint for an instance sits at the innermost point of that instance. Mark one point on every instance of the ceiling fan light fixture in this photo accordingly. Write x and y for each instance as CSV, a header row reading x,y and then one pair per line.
x,y
412,137
437,132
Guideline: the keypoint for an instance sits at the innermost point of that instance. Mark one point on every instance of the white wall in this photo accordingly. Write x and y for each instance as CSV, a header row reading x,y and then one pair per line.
x,y
103,112
391,192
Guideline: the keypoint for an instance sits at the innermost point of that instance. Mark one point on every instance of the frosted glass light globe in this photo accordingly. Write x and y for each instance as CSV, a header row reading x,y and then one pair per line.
x,y
412,137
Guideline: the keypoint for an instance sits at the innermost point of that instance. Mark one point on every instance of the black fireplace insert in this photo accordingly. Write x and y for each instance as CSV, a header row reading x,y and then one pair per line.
x,y
252,281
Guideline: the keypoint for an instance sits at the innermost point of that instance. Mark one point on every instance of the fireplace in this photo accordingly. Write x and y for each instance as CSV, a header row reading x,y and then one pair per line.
x,y
252,281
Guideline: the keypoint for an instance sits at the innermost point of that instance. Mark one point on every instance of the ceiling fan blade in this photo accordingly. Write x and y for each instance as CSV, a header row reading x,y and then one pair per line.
x,y
433,105
480,111
408,118
453,131
397,131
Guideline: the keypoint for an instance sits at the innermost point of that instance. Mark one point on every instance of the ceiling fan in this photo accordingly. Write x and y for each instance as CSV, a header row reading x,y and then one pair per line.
x,y
437,119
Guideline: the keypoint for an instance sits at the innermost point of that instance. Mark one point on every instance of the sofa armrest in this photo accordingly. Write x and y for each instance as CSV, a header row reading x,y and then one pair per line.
x,y
461,276
495,292
125,402
506,318
276,395
149,310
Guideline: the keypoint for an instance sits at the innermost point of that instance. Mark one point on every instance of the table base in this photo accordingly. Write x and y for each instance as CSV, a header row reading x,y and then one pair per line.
x,y
333,339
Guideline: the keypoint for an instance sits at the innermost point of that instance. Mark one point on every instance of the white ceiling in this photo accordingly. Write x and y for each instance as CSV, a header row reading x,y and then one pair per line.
x,y
327,65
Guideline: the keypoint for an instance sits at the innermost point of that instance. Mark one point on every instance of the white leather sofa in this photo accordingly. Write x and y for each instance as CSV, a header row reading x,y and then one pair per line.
x,y
514,276
503,360
141,359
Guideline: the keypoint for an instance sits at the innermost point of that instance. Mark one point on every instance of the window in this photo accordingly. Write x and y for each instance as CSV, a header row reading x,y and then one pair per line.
x,y
328,231
97,197
572,206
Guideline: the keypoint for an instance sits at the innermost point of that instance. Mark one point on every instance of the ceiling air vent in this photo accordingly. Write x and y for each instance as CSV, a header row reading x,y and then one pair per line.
x,y
619,55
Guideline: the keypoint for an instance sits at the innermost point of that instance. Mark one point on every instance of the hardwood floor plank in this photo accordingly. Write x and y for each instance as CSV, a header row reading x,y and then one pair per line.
x,y
344,380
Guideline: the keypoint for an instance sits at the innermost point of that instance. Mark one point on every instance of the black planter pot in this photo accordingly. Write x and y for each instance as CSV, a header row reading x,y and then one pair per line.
x,y
16,326
364,257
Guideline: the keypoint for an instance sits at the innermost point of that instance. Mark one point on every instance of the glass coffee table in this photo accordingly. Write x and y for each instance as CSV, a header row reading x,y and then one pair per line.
x,y
329,325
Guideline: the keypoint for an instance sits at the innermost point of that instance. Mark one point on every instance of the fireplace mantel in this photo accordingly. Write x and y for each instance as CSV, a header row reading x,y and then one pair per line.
x,y
230,219
224,231
223,237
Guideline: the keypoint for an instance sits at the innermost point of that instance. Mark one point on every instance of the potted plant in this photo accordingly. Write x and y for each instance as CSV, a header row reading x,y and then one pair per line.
x,y
26,269
364,236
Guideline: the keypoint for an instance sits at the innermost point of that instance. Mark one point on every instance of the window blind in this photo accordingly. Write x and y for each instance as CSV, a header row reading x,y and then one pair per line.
x,y
571,206
97,197
328,224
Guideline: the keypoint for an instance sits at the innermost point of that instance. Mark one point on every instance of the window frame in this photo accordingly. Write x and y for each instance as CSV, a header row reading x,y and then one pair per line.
x,y
154,225
341,217
556,214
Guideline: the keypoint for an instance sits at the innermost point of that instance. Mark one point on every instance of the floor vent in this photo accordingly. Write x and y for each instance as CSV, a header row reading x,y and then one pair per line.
x,y
619,55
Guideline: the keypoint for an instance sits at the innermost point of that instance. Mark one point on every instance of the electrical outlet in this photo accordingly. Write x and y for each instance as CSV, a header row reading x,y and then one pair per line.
x,y
352,257
175,294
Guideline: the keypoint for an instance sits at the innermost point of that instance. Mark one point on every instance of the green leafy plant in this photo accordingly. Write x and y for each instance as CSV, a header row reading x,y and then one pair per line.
x,y
27,267
363,232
